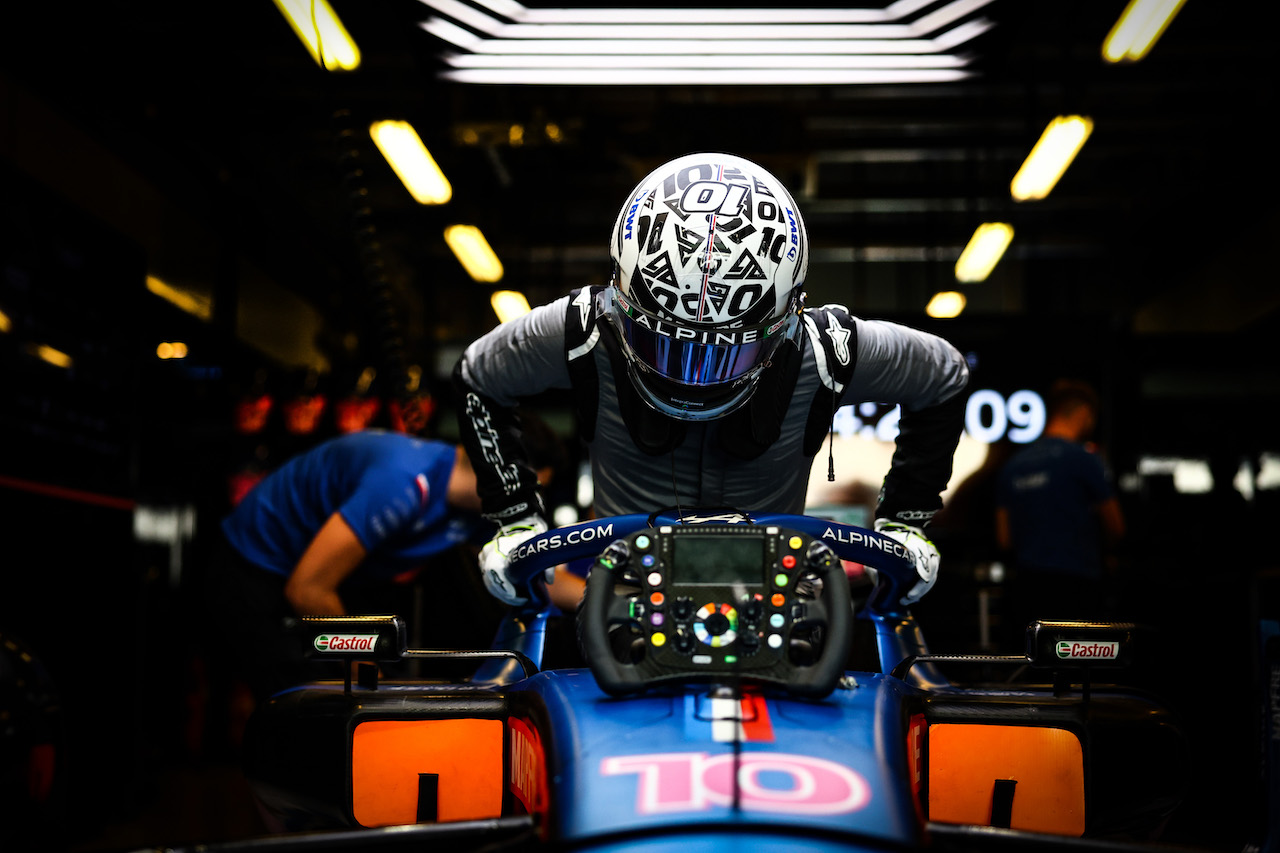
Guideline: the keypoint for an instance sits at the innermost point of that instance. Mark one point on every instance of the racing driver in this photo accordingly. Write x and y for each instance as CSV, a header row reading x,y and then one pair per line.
x,y
700,377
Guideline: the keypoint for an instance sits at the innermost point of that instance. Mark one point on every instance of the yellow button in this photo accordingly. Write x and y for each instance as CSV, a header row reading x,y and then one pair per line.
x,y
658,638
795,542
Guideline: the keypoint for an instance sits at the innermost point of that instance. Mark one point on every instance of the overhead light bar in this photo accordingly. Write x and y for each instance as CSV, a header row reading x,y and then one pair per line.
x,y
48,354
610,46
946,305
321,30
694,77
715,61
1050,157
473,252
984,251
467,40
197,304
1138,28
896,11
509,304
412,162
722,28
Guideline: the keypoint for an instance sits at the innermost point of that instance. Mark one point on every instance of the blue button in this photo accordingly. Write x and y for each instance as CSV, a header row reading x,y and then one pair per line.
x,y
648,560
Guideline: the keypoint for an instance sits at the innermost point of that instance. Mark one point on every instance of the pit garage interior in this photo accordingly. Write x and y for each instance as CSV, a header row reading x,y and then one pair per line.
x,y
187,175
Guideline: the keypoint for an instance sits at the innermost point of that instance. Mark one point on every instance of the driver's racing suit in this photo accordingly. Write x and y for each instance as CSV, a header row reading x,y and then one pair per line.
x,y
755,459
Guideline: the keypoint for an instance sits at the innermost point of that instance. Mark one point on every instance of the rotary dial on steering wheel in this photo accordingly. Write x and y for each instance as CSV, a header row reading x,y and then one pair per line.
x,y
716,625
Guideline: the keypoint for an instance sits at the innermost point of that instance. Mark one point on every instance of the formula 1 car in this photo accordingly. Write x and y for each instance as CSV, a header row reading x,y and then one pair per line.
x,y
717,710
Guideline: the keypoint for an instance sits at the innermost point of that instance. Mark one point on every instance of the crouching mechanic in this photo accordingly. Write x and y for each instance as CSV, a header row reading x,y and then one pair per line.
x,y
700,377
354,514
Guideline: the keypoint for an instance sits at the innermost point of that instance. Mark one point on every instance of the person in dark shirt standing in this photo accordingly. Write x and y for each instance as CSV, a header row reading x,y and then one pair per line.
x,y
1057,516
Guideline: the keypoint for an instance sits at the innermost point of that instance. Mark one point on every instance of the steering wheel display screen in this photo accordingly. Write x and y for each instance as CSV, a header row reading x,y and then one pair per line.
x,y
702,560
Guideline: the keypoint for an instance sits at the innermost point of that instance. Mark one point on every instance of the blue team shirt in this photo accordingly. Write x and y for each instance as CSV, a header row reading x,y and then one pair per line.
x,y
1051,489
389,487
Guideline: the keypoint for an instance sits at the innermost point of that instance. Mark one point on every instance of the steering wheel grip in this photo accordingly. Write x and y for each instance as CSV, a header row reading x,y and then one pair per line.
x,y
598,610
819,679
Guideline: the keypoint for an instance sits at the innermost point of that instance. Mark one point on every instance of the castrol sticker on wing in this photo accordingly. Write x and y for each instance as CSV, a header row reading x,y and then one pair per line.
x,y
1086,650
346,642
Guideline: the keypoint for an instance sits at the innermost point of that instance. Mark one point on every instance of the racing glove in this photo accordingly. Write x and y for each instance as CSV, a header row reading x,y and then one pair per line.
x,y
922,552
495,558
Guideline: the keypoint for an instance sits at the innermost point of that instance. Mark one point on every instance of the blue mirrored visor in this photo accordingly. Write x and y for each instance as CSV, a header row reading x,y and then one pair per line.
x,y
697,356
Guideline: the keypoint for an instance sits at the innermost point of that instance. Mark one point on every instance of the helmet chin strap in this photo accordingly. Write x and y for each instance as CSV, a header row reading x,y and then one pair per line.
x,y
831,440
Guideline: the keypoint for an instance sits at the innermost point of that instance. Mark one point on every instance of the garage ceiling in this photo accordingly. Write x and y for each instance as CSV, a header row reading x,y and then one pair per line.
x,y
1160,226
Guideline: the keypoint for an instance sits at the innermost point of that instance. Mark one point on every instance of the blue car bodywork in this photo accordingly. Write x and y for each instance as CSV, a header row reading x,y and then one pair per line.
x,y
896,759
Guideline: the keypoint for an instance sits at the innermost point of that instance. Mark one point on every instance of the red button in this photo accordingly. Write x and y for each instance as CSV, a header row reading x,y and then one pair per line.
x,y
788,562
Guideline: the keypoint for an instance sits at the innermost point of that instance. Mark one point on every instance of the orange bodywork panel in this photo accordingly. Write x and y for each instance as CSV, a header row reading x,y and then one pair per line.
x,y
387,757
1047,765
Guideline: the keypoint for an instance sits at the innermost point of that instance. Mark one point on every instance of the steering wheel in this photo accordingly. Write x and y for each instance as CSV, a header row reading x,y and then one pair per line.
x,y
601,618
708,602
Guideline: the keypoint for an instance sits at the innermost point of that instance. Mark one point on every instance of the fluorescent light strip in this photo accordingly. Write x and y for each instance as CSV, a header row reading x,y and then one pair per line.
x,y
946,304
693,77
509,304
930,23
460,37
474,253
516,12
315,21
196,304
807,61
1050,157
1139,27
984,251
412,162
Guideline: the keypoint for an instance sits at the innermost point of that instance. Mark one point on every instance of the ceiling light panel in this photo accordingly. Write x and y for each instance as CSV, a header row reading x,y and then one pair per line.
x,y
725,27
847,46
894,12
467,40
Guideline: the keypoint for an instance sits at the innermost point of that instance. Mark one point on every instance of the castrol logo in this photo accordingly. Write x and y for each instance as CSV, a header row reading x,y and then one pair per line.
x,y
346,642
1077,650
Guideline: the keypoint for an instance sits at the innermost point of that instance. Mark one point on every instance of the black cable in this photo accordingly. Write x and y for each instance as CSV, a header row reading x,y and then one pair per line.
x,y
386,326
675,489
831,440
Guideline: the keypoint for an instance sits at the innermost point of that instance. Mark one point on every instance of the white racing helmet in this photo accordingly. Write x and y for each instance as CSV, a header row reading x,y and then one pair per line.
x,y
709,255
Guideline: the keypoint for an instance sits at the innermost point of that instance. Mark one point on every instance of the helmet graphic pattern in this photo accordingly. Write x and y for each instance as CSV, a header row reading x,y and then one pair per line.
x,y
711,239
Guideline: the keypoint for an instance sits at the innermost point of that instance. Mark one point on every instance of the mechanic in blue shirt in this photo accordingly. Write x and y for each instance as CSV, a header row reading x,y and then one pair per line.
x,y
1056,515
360,510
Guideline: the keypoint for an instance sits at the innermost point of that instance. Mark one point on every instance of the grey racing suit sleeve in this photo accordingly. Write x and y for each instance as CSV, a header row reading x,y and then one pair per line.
x,y
520,358
926,375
